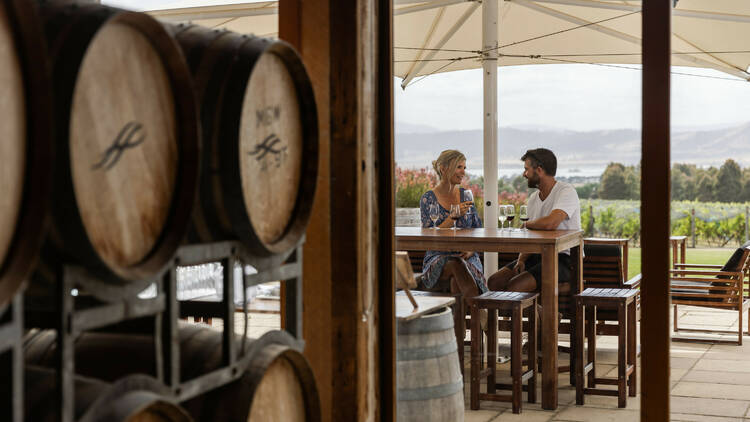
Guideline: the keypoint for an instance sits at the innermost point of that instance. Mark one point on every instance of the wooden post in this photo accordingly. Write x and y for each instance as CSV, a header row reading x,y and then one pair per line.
x,y
692,226
655,147
305,25
348,266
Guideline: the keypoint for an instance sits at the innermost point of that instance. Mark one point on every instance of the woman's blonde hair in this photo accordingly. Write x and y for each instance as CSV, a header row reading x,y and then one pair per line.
x,y
448,159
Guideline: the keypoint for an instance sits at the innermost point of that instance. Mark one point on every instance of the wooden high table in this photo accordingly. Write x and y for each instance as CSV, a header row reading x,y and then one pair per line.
x,y
546,243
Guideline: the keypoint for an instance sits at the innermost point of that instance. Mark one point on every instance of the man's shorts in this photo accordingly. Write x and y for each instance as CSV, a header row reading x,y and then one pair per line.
x,y
534,266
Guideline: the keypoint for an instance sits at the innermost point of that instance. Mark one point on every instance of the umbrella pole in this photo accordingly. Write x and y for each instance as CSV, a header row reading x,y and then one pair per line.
x,y
489,81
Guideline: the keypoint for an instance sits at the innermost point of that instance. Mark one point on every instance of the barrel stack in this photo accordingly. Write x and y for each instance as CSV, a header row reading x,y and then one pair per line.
x,y
133,148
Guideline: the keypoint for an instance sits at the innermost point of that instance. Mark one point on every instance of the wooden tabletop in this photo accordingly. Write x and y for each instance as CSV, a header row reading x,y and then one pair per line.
x,y
485,239
405,311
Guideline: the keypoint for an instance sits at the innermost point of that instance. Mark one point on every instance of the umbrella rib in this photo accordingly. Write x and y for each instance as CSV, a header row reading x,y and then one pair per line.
x,y
432,5
427,39
746,75
621,35
627,67
562,31
459,23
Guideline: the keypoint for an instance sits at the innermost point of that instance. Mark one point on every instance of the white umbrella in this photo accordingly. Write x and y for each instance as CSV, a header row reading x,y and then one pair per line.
x,y
432,36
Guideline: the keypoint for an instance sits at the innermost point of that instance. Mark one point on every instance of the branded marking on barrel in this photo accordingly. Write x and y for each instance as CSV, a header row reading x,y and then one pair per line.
x,y
124,140
271,144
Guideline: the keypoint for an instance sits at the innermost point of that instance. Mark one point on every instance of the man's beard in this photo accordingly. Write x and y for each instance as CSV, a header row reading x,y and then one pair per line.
x,y
533,183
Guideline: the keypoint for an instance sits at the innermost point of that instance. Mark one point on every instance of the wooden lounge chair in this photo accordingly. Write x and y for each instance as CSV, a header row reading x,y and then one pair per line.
x,y
712,286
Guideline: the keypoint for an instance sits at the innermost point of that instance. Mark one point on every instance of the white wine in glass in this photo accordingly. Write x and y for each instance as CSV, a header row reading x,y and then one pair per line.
x,y
434,214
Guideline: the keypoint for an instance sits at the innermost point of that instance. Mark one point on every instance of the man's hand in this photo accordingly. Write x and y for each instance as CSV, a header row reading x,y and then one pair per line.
x,y
519,267
466,255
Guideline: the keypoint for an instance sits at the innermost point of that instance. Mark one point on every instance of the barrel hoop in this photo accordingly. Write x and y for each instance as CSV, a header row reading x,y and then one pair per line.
x,y
427,393
421,353
428,324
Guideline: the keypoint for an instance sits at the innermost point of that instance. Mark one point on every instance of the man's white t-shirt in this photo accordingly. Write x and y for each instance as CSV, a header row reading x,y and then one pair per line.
x,y
564,197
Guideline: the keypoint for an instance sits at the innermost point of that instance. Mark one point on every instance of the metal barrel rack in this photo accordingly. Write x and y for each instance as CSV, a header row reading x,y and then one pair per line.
x,y
11,358
74,314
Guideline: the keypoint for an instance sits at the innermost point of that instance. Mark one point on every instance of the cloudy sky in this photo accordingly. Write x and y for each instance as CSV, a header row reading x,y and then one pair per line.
x,y
569,96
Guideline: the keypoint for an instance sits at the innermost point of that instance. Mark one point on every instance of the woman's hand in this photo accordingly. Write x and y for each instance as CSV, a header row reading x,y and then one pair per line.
x,y
519,267
465,207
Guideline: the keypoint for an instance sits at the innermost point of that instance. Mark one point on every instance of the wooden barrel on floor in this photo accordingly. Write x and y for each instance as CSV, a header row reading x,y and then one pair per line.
x,y
260,132
25,146
276,384
429,382
127,137
133,398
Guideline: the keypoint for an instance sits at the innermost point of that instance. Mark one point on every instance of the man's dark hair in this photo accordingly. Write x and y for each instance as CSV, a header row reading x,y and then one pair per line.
x,y
542,157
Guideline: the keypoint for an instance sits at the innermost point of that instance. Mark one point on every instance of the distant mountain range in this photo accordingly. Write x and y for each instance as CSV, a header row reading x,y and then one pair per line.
x,y
418,145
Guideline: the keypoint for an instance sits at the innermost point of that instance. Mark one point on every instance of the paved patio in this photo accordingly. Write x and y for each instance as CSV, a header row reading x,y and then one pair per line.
x,y
710,382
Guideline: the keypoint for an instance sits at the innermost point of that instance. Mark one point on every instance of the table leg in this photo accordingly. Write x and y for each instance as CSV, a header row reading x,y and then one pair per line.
x,y
549,328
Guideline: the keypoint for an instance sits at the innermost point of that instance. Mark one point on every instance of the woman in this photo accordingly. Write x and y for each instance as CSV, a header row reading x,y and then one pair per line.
x,y
451,270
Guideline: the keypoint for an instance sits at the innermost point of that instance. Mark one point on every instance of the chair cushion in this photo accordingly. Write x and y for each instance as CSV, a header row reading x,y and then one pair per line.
x,y
601,250
733,262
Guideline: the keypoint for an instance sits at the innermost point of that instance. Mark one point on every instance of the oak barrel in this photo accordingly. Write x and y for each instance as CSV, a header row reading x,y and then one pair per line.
x,y
277,383
260,131
25,143
429,382
126,171
135,398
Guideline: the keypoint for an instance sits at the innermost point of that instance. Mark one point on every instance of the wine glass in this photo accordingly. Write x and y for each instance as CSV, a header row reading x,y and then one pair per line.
x,y
523,214
469,196
434,214
501,215
455,214
510,214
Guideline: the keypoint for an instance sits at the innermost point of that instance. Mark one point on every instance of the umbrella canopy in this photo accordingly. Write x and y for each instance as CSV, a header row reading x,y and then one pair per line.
x,y
446,35
440,35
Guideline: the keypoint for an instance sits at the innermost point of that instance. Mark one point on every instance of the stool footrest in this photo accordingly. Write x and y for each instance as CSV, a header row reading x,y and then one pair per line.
x,y
504,386
606,381
600,392
496,397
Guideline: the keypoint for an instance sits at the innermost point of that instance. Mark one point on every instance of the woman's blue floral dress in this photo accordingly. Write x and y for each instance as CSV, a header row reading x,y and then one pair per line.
x,y
432,267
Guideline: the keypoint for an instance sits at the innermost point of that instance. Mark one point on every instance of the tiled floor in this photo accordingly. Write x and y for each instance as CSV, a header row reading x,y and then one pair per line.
x,y
710,382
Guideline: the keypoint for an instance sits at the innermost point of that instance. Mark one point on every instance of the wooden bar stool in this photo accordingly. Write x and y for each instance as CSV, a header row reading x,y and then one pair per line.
x,y
623,302
515,303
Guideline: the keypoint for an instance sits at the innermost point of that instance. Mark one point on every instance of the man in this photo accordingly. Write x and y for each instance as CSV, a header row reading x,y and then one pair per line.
x,y
554,206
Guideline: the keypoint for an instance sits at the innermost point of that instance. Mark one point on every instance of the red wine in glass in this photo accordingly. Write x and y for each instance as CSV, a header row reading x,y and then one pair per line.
x,y
510,218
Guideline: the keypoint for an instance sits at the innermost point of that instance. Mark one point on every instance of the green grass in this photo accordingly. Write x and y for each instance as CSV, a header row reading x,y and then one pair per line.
x,y
694,256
